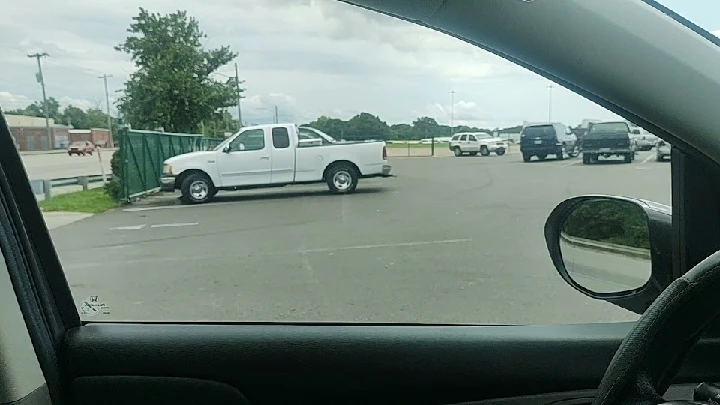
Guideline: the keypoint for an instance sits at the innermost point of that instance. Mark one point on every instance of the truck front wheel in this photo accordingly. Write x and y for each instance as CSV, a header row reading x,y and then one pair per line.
x,y
342,178
197,188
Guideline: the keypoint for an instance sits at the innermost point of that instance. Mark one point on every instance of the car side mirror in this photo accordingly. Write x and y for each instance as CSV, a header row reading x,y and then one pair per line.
x,y
636,131
614,249
226,149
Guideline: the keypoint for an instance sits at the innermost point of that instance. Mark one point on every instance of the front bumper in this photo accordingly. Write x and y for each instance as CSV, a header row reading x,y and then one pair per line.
x,y
167,182
496,146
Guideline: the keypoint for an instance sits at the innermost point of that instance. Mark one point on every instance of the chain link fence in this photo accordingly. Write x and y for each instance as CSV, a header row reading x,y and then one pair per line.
x,y
142,154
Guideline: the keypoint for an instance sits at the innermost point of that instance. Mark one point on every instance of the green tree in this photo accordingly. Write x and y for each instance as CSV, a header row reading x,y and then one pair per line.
x,y
366,126
37,109
332,126
172,87
618,222
74,116
426,127
401,131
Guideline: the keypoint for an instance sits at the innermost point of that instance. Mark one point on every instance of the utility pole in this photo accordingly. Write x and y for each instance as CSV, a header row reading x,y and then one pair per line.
x,y
276,115
107,107
550,101
41,80
452,112
239,96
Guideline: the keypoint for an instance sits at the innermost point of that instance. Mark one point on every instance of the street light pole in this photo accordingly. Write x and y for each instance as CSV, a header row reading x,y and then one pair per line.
x,y
452,112
41,80
550,101
276,115
107,107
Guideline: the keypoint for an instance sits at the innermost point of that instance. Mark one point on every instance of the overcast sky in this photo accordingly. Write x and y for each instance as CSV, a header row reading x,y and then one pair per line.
x,y
308,57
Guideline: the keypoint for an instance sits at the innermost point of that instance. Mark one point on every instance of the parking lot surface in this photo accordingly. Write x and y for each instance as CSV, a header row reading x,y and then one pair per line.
x,y
449,240
48,166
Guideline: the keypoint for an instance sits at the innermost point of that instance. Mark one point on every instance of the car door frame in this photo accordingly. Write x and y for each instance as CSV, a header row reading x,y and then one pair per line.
x,y
283,160
53,321
247,175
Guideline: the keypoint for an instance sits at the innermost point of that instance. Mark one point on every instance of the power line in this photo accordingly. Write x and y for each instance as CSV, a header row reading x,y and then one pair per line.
x,y
41,80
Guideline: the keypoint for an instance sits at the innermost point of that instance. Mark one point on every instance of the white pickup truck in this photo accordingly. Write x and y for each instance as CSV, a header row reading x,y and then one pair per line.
x,y
274,156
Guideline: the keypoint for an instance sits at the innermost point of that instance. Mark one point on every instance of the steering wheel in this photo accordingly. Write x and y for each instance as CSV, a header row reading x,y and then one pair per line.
x,y
651,354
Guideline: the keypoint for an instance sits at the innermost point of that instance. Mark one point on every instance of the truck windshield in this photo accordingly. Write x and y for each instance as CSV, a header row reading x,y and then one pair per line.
x,y
224,143
609,127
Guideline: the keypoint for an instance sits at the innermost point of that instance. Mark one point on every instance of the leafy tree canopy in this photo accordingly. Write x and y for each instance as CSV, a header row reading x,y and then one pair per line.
x,y
173,87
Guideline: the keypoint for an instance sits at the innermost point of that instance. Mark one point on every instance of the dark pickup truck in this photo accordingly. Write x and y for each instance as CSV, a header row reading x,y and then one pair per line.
x,y
608,139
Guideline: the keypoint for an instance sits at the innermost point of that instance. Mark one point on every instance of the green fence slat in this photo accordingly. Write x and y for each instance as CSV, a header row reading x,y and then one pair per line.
x,y
142,156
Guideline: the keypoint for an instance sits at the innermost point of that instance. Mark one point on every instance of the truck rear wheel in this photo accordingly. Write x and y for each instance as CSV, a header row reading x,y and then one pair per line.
x,y
629,157
197,188
342,178
457,151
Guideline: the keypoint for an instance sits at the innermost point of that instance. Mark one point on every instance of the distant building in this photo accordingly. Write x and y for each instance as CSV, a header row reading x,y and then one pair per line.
x,y
98,136
30,134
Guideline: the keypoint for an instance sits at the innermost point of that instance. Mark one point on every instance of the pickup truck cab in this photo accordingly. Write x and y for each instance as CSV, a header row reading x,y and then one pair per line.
x,y
274,156
608,139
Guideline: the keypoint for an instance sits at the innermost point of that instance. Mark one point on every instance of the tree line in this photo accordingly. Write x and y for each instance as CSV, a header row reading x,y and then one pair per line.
x,y
71,116
368,126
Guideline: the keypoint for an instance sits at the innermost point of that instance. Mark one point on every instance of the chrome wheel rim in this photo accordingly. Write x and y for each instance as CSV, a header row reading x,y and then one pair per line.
x,y
342,180
199,190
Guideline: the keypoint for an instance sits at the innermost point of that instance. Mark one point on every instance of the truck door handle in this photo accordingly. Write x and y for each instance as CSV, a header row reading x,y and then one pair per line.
x,y
265,158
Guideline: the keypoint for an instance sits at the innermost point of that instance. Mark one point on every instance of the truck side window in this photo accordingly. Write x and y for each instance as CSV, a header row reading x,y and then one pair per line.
x,y
463,138
252,139
281,138
471,138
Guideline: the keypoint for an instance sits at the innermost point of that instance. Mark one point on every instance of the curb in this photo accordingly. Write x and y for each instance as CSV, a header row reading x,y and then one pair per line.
x,y
608,247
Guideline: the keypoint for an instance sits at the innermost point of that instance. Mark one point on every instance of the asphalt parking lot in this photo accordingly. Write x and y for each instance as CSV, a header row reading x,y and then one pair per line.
x,y
449,240
47,166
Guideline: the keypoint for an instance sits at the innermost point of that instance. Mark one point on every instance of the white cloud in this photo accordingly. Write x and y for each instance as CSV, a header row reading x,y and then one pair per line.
x,y
309,57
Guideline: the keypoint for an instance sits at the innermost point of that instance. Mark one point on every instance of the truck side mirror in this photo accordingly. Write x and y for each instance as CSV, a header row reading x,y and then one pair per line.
x,y
614,249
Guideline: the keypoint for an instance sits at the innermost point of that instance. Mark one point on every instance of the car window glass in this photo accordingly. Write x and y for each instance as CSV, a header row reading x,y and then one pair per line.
x,y
281,138
609,127
454,235
249,140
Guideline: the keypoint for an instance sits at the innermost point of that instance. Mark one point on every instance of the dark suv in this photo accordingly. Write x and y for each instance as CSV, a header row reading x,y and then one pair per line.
x,y
608,139
542,140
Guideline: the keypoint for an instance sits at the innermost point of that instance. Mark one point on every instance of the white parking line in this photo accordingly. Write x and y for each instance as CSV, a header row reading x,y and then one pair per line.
x,y
647,159
389,245
129,228
178,224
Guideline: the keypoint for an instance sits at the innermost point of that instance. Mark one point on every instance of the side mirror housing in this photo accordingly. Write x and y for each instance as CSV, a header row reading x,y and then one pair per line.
x,y
226,149
614,249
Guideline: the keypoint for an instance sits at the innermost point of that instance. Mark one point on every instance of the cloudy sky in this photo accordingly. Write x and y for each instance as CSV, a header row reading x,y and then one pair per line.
x,y
308,57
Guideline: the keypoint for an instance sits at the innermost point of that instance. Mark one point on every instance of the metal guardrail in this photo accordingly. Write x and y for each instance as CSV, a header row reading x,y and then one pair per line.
x,y
45,186
77,181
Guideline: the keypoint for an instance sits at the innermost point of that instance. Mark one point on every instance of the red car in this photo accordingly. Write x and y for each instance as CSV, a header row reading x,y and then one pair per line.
x,y
81,148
